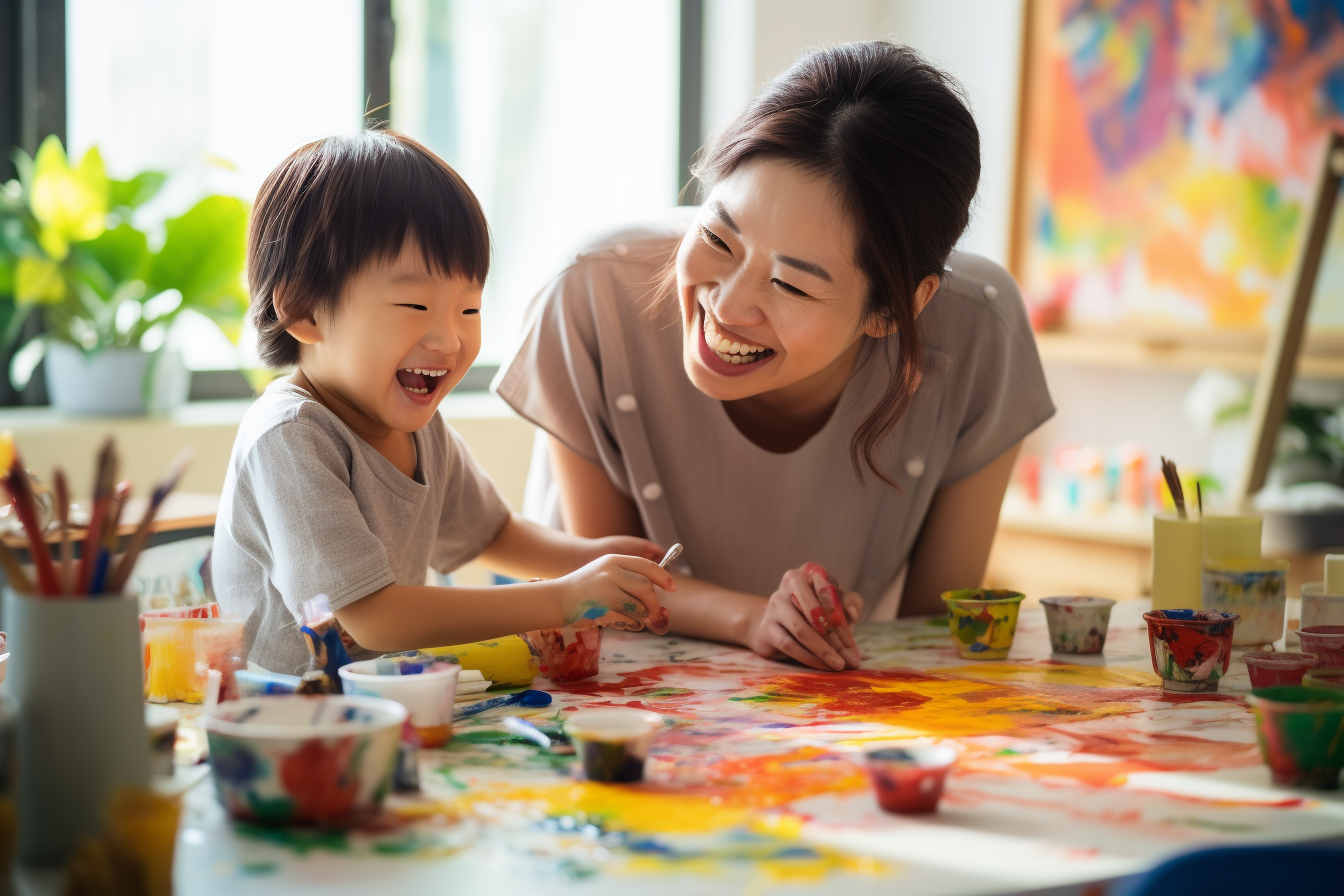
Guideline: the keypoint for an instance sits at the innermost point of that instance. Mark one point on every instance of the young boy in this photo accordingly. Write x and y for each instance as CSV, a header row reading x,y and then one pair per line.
x,y
366,257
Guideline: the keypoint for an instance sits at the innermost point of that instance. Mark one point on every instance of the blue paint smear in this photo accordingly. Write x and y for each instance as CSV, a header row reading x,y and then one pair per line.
x,y
595,613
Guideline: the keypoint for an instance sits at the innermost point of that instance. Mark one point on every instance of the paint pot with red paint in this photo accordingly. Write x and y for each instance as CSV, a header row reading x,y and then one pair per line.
x,y
909,780
566,654
1191,649
613,743
1301,735
1332,678
1268,670
1326,641
1077,624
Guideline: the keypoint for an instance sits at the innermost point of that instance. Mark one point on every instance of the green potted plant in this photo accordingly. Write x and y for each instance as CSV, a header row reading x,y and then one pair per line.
x,y
70,252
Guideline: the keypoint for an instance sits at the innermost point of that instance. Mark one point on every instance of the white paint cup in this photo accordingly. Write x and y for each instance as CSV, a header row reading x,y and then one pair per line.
x,y
76,674
429,695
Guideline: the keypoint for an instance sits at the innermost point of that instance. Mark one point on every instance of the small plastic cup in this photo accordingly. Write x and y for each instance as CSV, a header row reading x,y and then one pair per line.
x,y
428,695
1191,649
1269,670
161,730
1255,590
909,780
567,654
1319,608
613,743
1077,624
1326,641
1298,731
1331,678
180,650
982,621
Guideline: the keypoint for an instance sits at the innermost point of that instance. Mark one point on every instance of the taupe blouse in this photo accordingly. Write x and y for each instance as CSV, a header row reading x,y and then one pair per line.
x,y
604,376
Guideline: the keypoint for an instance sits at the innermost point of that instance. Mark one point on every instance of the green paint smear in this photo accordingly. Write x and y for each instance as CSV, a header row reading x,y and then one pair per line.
x,y
938,622
486,736
257,869
299,840
760,698
663,692
446,773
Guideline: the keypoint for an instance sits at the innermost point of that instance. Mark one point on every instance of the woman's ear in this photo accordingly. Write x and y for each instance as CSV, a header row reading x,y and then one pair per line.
x,y
924,293
305,329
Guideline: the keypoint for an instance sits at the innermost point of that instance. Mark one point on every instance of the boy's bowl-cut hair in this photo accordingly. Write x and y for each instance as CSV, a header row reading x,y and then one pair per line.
x,y
341,203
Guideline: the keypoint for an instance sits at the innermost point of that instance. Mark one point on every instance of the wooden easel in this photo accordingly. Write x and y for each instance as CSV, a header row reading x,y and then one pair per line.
x,y
1269,402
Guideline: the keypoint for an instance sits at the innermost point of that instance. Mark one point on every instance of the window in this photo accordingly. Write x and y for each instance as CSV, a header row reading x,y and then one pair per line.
x,y
561,115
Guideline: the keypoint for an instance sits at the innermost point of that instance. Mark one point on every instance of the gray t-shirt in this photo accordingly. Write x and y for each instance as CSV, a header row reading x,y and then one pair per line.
x,y
311,508
602,372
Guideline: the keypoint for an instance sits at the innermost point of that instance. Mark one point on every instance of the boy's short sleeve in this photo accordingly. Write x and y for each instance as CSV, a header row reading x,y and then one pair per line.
x,y
474,512
309,520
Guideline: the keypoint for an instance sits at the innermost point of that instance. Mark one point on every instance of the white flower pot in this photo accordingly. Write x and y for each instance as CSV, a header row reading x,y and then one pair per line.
x,y
114,380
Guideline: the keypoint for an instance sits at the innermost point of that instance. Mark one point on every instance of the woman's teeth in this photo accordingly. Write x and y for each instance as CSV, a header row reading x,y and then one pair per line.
x,y
730,351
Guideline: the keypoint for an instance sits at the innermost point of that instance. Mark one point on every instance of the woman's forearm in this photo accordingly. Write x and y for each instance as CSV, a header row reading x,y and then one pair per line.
x,y
702,609
525,550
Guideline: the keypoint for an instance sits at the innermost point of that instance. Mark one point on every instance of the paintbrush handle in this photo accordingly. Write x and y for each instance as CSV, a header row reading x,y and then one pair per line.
x,y
20,497
138,541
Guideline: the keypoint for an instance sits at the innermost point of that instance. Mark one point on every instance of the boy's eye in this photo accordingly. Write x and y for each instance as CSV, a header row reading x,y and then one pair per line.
x,y
416,307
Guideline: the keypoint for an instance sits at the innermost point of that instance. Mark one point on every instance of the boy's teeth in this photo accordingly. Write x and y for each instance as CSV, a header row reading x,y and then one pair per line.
x,y
416,391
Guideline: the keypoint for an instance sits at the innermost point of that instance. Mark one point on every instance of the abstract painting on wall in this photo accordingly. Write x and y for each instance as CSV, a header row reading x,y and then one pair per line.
x,y
1169,156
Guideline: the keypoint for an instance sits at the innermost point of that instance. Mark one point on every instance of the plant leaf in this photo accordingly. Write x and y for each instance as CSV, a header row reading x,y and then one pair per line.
x,y
38,281
70,204
122,252
137,191
25,361
202,257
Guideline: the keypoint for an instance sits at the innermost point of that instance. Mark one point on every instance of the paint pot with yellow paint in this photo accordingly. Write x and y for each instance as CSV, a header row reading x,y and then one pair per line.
x,y
505,662
982,621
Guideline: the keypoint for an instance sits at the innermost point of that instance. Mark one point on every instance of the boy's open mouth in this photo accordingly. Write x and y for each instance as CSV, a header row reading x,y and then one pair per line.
x,y
420,380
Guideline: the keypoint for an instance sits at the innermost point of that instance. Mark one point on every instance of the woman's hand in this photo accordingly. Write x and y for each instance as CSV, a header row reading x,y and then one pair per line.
x,y
616,590
808,620
593,548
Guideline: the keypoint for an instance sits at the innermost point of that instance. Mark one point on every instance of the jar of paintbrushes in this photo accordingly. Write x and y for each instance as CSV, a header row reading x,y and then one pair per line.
x,y
75,671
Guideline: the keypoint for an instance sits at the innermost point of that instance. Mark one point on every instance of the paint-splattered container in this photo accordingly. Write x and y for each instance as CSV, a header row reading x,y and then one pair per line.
x,y
910,779
982,621
613,743
1077,624
1268,670
1301,734
179,651
1326,641
1191,649
1255,590
304,760
1331,677
567,654
428,696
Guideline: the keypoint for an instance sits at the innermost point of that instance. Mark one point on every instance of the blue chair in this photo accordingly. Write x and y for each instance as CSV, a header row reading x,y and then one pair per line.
x,y
1236,870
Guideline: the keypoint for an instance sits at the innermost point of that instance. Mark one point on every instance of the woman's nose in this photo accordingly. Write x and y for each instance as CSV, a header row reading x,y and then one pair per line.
x,y
737,305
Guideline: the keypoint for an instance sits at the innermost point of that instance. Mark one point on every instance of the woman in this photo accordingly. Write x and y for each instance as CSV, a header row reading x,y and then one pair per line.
x,y
807,388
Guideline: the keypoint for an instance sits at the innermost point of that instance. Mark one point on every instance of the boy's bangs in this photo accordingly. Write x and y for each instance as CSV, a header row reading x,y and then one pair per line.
x,y
406,192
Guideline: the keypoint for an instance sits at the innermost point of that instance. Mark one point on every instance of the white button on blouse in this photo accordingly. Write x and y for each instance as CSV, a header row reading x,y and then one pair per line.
x,y
652,492
991,291
915,467
626,402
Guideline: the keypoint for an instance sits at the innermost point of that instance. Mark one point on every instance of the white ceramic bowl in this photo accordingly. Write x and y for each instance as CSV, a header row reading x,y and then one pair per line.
x,y
428,695
322,760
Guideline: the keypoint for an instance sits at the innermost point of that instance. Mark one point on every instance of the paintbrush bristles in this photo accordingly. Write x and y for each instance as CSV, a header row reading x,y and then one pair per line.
x,y
63,518
1174,486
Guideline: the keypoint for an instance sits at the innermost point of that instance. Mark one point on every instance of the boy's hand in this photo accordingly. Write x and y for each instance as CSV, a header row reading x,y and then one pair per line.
x,y
617,590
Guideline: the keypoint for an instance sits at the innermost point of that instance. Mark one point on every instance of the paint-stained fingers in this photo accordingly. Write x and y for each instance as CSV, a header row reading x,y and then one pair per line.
x,y
805,601
779,638
840,635
806,636
649,570
641,599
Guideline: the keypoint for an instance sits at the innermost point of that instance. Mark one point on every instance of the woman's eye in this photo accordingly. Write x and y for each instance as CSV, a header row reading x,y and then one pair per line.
x,y
713,240
471,311
790,289
416,307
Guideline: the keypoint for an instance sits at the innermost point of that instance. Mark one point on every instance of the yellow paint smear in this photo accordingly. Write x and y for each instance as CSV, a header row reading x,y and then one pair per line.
x,y
1073,676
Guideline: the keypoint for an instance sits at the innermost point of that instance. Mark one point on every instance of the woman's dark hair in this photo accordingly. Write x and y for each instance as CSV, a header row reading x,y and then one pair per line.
x,y
341,203
896,136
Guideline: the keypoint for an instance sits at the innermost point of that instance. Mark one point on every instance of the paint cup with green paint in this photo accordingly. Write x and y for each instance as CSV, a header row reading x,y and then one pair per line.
x,y
982,621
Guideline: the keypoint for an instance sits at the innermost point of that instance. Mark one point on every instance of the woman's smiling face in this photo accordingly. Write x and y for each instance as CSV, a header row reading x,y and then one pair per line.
x,y
770,292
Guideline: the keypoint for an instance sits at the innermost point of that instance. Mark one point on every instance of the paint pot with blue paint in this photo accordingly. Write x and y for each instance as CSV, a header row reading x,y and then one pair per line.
x,y
613,743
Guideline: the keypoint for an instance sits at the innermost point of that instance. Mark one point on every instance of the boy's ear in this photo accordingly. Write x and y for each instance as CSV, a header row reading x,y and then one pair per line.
x,y
304,329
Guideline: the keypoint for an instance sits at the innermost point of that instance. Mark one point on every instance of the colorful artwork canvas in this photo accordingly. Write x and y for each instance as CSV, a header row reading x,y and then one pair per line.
x,y
1170,154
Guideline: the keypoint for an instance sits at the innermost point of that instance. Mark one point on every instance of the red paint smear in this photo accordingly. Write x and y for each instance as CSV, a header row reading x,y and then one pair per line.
x,y
319,779
819,620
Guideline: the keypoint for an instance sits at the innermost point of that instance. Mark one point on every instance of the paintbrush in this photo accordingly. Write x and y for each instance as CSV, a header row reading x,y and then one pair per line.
x,y
161,492
18,579
104,475
672,553
108,542
1199,498
1174,486
25,507
63,517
